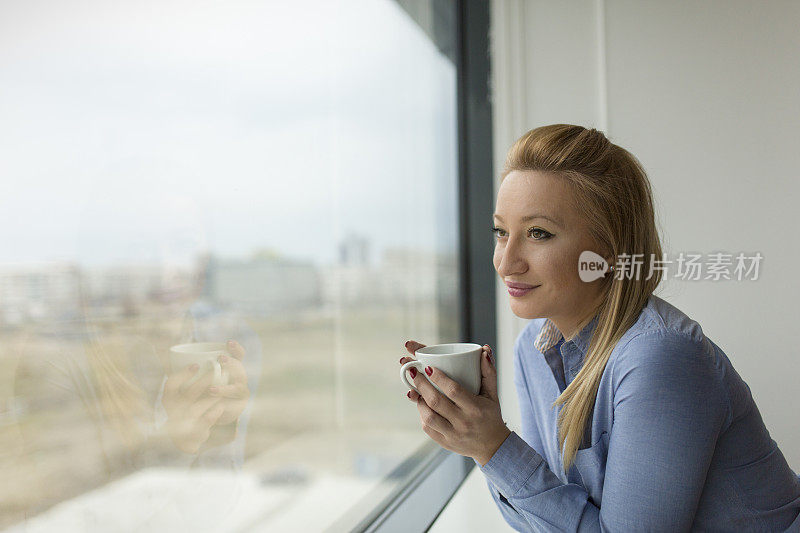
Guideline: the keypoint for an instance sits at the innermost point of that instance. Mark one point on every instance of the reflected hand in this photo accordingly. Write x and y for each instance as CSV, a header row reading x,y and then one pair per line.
x,y
460,421
412,347
190,413
235,394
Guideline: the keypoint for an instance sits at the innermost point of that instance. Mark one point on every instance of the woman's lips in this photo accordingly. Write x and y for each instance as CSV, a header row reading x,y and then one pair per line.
x,y
520,292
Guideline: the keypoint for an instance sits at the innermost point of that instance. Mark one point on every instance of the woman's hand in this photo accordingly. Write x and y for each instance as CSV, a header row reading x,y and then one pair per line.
x,y
460,421
194,412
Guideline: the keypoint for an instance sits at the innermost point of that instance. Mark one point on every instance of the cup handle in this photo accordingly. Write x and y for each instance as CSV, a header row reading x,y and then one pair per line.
x,y
217,379
403,370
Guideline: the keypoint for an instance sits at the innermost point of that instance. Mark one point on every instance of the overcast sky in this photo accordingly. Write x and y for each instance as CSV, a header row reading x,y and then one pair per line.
x,y
149,130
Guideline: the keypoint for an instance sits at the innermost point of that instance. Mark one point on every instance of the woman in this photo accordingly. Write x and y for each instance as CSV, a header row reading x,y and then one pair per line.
x,y
632,418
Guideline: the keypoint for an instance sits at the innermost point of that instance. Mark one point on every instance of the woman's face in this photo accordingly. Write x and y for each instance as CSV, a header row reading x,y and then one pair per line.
x,y
544,251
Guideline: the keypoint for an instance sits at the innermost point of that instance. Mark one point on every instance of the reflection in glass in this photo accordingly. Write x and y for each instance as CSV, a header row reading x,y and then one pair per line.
x,y
282,175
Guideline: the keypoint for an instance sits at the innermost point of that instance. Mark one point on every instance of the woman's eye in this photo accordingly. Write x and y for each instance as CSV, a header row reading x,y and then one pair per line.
x,y
537,233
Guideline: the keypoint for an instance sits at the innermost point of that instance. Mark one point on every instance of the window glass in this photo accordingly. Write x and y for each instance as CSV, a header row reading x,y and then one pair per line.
x,y
279,174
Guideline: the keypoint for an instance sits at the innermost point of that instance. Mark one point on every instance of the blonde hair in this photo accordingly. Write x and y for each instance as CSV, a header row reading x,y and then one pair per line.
x,y
611,187
118,399
123,402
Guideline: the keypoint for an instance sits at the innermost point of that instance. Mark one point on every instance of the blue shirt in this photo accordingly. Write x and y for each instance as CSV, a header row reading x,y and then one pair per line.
x,y
675,441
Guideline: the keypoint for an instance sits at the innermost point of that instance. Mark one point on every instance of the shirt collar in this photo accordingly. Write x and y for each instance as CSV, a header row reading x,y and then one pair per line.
x,y
549,336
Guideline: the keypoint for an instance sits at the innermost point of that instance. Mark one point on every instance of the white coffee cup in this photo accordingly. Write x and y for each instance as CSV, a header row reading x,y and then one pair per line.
x,y
204,354
460,361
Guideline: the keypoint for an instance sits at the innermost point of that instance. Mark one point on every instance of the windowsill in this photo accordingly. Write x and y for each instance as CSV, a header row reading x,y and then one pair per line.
x,y
471,509
311,479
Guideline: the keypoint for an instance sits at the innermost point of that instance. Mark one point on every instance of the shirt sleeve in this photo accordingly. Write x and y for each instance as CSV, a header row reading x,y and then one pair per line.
x,y
669,407
529,429
511,516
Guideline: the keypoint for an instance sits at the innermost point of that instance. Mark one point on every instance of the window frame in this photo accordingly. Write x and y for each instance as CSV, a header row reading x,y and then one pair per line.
x,y
438,473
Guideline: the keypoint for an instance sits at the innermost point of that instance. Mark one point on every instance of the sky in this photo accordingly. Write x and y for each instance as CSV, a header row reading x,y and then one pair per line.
x,y
146,131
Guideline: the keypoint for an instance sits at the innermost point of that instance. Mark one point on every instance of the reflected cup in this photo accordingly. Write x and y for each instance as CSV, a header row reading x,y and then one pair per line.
x,y
204,354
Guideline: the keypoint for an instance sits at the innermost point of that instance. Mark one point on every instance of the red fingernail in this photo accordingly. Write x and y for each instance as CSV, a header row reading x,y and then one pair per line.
x,y
401,360
429,370
413,372
408,394
406,344
489,358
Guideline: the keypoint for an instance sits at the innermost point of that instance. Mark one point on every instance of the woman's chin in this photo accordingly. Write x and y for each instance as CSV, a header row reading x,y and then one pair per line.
x,y
525,311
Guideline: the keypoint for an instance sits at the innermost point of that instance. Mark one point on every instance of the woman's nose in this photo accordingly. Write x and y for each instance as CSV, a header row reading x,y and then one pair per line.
x,y
511,261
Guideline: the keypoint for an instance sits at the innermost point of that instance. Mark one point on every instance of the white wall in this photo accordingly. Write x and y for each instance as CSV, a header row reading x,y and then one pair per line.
x,y
705,95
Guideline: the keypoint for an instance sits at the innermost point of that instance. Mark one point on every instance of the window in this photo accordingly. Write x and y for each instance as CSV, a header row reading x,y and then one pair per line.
x,y
282,174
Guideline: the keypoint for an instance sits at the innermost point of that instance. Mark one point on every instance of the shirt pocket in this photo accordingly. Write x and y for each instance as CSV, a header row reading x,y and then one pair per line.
x,y
591,466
